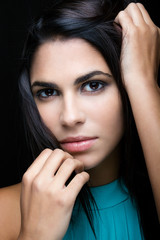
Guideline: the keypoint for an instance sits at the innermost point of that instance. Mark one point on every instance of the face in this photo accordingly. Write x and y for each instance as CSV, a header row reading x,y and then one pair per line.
x,y
78,99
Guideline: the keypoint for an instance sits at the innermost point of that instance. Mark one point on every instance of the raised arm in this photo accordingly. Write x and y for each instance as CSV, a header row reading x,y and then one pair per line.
x,y
140,60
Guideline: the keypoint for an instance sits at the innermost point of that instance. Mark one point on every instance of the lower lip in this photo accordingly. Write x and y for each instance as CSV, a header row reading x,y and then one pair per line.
x,y
78,146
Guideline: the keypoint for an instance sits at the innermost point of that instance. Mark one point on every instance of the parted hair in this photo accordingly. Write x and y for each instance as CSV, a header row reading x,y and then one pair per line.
x,y
93,21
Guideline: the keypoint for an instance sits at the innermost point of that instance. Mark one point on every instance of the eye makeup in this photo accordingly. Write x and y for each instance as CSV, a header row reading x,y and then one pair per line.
x,y
44,89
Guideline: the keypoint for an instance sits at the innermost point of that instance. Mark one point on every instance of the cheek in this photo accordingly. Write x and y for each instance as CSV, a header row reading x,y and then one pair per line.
x,y
109,115
103,114
48,115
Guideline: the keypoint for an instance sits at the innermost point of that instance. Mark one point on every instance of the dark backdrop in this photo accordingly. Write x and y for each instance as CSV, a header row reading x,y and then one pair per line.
x,y
15,16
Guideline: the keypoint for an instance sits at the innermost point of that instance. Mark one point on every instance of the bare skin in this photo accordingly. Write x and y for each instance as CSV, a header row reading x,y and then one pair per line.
x,y
139,62
74,114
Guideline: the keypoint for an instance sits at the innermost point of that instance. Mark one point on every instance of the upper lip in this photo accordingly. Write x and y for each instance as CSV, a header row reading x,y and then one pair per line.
x,y
76,139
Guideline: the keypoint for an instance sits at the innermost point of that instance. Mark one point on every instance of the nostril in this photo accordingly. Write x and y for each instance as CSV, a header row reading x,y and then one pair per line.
x,y
71,112
71,118
71,121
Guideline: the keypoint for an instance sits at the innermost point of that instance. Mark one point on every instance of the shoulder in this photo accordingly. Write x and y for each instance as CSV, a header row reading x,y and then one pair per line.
x,y
10,212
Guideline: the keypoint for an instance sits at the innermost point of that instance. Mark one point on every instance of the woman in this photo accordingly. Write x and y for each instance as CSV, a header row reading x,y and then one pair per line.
x,y
92,119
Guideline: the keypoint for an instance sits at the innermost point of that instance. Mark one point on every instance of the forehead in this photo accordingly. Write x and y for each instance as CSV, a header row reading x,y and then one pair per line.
x,y
70,58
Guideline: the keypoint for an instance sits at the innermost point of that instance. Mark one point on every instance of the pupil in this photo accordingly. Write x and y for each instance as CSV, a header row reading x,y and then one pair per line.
x,y
94,85
49,92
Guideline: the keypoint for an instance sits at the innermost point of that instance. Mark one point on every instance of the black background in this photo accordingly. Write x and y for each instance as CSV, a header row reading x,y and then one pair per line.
x,y
15,16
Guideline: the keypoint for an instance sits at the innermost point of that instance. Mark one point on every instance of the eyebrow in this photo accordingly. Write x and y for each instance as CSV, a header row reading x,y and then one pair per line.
x,y
44,84
90,75
79,80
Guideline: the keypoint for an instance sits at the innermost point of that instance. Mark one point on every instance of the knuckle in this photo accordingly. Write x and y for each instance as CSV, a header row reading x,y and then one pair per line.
x,y
58,151
26,179
45,153
47,150
154,30
121,14
63,154
131,6
37,185
139,4
70,162
82,177
68,155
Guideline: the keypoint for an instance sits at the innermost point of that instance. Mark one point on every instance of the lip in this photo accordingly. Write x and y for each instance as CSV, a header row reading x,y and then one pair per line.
x,y
77,144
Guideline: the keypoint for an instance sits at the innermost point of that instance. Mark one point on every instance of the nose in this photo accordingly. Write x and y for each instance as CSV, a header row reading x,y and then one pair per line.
x,y
71,112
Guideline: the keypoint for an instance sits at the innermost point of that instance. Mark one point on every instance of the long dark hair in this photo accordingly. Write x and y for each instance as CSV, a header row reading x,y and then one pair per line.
x,y
93,21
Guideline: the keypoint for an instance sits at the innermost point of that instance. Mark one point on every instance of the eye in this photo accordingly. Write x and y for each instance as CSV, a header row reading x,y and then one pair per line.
x,y
93,86
46,93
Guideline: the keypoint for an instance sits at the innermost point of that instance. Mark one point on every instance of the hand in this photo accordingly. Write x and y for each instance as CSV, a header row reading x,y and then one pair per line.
x,y
140,54
46,202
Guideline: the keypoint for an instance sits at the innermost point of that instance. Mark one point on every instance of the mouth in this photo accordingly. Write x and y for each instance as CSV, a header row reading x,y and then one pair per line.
x,y
77,144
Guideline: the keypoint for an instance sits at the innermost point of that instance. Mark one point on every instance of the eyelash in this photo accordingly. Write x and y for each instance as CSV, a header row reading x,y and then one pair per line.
x,y
44,91
94,82
54,92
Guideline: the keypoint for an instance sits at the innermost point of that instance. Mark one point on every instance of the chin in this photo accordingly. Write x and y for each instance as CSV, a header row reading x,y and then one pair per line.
x,y
89,161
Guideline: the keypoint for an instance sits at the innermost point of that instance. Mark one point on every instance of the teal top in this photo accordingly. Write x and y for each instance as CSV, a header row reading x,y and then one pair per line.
x,y
117,219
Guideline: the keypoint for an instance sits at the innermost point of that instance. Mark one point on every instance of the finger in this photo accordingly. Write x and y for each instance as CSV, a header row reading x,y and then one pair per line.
x,y
29,175
43,169
66,169
145,14
135,13
38,163
54,161
123,20
76,184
